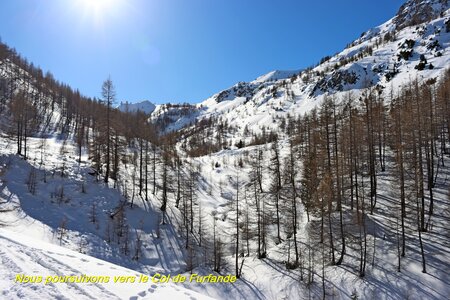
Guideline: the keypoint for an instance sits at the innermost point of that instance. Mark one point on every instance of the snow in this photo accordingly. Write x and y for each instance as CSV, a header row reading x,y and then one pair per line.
x,y
144,106
40,216
276,75
382,280
174,116
30,243
22,254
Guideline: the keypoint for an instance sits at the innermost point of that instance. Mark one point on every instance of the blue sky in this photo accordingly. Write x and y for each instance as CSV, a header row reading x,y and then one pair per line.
x,y
180,50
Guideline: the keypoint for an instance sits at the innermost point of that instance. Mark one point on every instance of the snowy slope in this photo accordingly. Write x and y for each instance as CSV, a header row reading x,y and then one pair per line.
x,y
67,193
172,117
276,75
20,254
272,280
31,241
66,197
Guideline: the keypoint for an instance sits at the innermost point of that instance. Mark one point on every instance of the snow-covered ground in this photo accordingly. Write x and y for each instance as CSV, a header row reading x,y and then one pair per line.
x,y
31,221
46,266
48,220
272,280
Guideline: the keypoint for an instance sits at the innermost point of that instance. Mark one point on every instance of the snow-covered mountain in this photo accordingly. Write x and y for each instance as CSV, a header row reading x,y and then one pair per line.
x,y
172,117
145,106
414,44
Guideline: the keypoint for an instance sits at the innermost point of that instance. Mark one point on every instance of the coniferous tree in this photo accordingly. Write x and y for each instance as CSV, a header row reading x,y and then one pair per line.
x,y
109,97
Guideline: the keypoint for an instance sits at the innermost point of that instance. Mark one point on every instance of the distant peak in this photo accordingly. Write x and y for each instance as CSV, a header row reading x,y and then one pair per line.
x,y
144,106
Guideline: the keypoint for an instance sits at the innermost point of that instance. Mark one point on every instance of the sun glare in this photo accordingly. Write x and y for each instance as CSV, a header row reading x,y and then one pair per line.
x,y
98,10
97,5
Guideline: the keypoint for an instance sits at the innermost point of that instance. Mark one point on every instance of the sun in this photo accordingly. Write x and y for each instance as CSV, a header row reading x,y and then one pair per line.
x,y
97,5
98,10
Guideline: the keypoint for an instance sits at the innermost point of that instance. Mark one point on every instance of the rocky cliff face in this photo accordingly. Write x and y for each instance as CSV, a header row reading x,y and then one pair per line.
x,y
415,12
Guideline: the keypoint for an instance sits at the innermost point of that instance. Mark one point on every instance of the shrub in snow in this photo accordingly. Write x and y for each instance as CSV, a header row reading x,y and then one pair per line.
x,y
404,54
420,66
